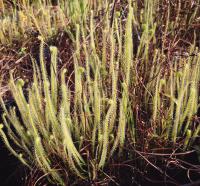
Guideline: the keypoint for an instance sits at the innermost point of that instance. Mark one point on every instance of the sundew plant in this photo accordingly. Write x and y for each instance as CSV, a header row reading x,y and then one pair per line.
x,y
127,91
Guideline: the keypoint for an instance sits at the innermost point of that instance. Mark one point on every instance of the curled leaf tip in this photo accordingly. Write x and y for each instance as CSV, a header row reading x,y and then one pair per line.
x,y
20,82
40,38
1,126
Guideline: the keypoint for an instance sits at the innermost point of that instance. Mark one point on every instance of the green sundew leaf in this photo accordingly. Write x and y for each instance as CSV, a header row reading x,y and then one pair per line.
x,y
92,30
51,113
78,102
20,99
20,129
6,142
114,74
78,41
11,134
50,110
120,128
38,116
67,139
97,111
65,104
87,65
187,139
104,51
54,79
3,106
132,126
41,154
119,33
191,107
196,132
123,114
156,99
42,63
174,100
73,167
43,161
106,135
31,122
128,54
37,92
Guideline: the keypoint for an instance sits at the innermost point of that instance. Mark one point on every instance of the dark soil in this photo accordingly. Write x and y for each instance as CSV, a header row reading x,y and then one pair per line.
x,y
12,171
14,174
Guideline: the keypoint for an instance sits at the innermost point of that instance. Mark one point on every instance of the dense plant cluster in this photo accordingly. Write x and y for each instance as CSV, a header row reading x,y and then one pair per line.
x,y
128,89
